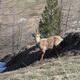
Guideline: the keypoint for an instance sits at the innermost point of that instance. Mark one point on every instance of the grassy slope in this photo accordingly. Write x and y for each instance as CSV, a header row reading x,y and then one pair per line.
x,y
53,69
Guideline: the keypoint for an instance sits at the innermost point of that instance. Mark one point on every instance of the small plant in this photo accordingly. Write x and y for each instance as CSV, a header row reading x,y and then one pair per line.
x,y
49,24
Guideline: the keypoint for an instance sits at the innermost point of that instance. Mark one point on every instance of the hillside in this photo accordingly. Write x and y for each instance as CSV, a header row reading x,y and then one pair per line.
x,y
53,69
18,19
70,20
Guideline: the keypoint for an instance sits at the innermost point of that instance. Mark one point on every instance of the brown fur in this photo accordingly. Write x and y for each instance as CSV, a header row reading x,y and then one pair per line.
x,y
47,43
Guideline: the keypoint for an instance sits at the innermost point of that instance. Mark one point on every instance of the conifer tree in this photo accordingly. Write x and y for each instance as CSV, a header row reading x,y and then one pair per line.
x,y
49,23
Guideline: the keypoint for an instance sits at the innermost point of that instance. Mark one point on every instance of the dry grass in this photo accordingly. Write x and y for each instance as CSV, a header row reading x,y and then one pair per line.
x,y
65,68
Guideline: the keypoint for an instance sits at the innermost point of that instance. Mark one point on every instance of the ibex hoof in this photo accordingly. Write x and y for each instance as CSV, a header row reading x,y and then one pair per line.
x,y
41,61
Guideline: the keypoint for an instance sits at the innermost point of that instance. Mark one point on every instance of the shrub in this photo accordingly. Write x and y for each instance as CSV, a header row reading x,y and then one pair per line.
x,y
49,23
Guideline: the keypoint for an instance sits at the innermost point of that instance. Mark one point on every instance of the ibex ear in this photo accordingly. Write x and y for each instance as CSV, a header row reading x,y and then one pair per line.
x,y
37,32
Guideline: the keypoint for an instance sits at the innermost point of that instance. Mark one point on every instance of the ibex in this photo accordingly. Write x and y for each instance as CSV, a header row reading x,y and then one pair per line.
x,y
46,43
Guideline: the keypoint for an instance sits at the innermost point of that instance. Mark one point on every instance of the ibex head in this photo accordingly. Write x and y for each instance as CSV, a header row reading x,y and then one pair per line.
x,y
36,35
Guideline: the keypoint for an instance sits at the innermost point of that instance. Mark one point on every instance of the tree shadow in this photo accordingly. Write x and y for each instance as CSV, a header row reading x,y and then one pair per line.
x,y
25,58
29,56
